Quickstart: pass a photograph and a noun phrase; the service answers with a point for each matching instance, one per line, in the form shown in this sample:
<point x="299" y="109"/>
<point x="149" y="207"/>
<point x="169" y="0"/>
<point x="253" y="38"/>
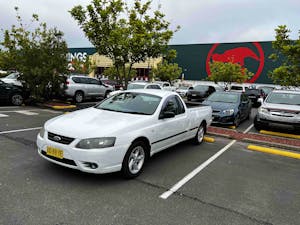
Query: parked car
<point x="182" y="90"/>
<point x="254" y="94"/>
<point x="281" y="109"/>
<point x="122" y="132"/>
<point x="12" y="94"/>
<point x="201" y="91"/>
<point x="81" y="87"/>
<point x="138" y="85"/>
<point x="229" y="108"/>
<point x="116" y="85"/>
<point x="239" y="87"/>
<point x="166" y="85"/>
<point x="13" y="78"/>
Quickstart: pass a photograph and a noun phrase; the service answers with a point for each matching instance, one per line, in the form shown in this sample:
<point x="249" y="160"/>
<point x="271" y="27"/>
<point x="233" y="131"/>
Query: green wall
<point x="193" y="58"/>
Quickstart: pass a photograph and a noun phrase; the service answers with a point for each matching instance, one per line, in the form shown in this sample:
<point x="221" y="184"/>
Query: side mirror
<point x="167" y="114"/>
<point x="191" y="88"/>
<point x="260" y="100"/>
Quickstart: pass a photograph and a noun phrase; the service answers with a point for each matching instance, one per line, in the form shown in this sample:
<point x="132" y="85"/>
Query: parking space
<point x="237" y="187"/>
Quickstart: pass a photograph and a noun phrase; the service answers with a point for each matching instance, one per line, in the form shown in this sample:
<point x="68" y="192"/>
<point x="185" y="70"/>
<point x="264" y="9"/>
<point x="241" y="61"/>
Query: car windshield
<point x="201" y="88"/>
<point x="183" y="87"/>
<point x="129" y="102"/>
<point x="284" y="98"/>
<point x="135" y="86"/>
<point x="12" y="76"/>
<point x="223" y="97"/>
<point x="237" y="88"/>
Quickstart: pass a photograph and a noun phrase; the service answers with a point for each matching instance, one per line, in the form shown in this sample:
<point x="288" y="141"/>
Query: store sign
<point x="242" y="55"/>
<point x="80" y="56"/>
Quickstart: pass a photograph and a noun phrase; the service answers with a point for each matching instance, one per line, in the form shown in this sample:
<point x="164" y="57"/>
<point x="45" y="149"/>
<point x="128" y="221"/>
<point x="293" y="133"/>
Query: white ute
<point x="122" y="132"/>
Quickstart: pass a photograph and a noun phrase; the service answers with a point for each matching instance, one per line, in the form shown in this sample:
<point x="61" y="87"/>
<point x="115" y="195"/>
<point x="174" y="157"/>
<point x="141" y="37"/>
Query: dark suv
<point x="254" y="94"/>
<point x="201" y="92"/>
<point x="13" y="94"/>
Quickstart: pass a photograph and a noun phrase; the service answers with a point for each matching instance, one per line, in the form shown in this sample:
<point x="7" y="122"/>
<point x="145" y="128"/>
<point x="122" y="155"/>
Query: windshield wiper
<point x="141" y="113"/>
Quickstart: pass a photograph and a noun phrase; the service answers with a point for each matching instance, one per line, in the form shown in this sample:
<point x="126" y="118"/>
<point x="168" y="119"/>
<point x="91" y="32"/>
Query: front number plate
<point x="55" y="152"/>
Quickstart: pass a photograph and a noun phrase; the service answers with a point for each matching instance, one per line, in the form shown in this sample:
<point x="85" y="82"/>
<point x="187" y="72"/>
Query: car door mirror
<point x="167" y="114"/>
<point x="260" y="100"/>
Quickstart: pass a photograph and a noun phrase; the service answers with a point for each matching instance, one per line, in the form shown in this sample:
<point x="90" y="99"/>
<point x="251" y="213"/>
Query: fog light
<point x="91" y="165"/>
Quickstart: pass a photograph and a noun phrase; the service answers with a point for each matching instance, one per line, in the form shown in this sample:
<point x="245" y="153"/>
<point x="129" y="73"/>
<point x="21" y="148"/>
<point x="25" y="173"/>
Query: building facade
<point x="194" y="59"/>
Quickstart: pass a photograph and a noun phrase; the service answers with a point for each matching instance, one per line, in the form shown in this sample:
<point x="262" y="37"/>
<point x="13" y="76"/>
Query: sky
<point x="201" y="21"/>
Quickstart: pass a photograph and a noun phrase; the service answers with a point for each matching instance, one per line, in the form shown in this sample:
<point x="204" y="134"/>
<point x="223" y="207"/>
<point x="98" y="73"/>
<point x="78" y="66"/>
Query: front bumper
<point x="107" y="159"/>
<point x="222" y="119"/>
<point x="269" y="122"/>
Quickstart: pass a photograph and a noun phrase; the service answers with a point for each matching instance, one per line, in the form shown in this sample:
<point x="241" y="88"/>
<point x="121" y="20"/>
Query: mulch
<point x="293" y="143"/>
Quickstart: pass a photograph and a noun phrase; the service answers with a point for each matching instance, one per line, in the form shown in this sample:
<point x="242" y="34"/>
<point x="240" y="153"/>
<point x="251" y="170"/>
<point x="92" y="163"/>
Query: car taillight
<point x="67" y="82"/>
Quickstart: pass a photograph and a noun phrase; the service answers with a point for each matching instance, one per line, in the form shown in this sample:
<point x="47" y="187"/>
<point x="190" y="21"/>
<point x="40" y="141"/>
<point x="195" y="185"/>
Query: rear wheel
<point x="17" y="99"/>
<point x="78" y="97"/>
<point x="237" y="120"/>
<point x="134" y="160"/>
<point x="198" y="139"/>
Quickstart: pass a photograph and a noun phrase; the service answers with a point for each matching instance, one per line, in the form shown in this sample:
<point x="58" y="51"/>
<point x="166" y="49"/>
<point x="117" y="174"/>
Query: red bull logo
<point x="238" y="55"/>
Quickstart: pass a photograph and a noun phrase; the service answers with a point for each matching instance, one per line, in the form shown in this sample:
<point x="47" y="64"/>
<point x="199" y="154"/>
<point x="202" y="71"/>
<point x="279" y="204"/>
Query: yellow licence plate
<point x="55" y="152"/>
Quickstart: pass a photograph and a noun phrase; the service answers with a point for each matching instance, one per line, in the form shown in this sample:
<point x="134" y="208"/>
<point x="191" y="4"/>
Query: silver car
<point x="280" y="109"/>
<point x="81" y="87"/>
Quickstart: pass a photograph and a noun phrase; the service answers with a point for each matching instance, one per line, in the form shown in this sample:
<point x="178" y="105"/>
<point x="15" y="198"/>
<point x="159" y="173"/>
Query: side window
<point x="93" y="81"/>
<point x="180" y="105"/>
<point x="76" y="79"/>
<point x="171" y="105"/>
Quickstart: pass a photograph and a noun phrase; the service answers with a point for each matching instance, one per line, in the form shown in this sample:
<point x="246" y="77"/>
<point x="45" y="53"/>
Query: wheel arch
<point x="146" y="141"/>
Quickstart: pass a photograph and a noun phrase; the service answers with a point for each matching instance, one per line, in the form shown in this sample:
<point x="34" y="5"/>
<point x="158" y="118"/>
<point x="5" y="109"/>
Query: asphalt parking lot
<point x="214" y="183"/>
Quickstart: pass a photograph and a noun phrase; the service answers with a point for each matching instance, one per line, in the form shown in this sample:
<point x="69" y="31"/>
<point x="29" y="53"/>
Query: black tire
<point x="237" y="120"/>
<point x="17" y="99"/>
<point x="136" y="156"/>
<point x="106" y="93"/>
<point x="198" y="139"/>
<point x="78" y="97"/>
<point x="257" y="125"/>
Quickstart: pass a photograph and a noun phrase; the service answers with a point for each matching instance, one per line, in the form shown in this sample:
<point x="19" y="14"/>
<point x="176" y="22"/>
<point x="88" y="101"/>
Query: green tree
<point x="228" y="73"/>
<point x="126" y="34"/>
<point x="38" y="53"/>
<point x="82" y="67"/>
<point x="288" y="74"/>
<point x="112" y="72"/>
<point x="166" y="70"/>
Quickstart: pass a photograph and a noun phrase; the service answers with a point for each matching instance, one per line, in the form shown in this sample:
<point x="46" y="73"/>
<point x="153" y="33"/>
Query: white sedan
<point x="121" y="132"/>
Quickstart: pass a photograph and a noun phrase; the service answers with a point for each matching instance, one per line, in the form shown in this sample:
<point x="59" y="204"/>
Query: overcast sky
<point x="201" y="21"/>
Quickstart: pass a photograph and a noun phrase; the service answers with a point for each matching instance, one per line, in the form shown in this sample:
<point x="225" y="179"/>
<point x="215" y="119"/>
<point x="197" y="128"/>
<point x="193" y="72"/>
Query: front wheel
<point x="198" y="139"/>
<point x="134" y="160"/>
<point x="17" y="99"/>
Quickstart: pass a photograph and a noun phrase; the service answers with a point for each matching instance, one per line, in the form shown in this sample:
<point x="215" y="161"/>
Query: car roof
<point x="286" y="91"/>
<point x="157" y="92"/>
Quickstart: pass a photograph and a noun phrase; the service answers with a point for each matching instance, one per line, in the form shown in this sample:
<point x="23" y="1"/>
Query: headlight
<point x="263" y="110"/>
<point x="90" y="143"/>
<point x="228" y="112"/>
<point x="42" y="132"/>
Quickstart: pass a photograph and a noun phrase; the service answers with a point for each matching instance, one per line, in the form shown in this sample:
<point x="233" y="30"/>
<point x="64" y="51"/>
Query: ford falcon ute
<point x="122" y="132"/>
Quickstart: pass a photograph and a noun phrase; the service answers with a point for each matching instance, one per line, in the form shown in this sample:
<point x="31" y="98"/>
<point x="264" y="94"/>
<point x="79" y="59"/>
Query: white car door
<point x="170" y="130"/>
<point x="97" y="88"/>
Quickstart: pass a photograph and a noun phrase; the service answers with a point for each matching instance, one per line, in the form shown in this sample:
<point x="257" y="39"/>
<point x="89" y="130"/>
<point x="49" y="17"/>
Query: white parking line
<point x="3" y="115"/>
<point x="26" y="112"/>
<point x="188" y="177"/>
<point x="249" y="128"/>
<point x="20" y="130"/>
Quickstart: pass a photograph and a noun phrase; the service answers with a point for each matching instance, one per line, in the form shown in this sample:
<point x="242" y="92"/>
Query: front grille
<point x="59" y="138"/>
<point x="66" y="161"/>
